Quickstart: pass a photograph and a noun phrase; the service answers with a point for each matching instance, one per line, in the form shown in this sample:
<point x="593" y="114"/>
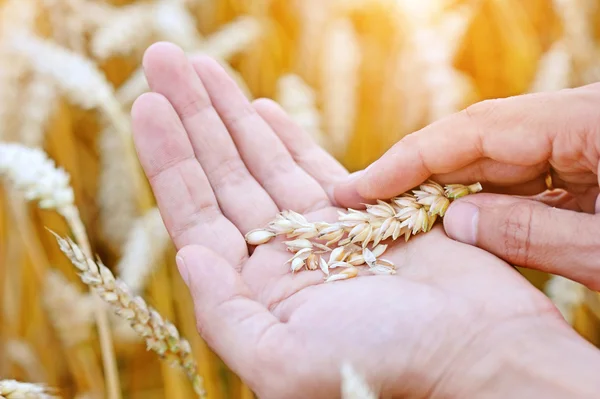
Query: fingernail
<point x="461" y="221"/>
<point x="598" y="204"/>
<point x="183" y="271"/>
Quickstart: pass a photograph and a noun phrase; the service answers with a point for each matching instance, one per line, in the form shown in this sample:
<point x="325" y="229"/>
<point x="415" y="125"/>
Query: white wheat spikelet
<point x="71" y="311"/>
<point x="354" y="385"/>
<point x="232" y="38"/>
<point x="147" y="242"/>
<point x="11" y="389"/>
<point x="339" y="80"/>
<point x="173" y="23"/>
<point x="298" y="99"/>
<point x="41" y="97"/>
<point x="221" y="45"/>
<point x="37" y="176"/>
<point x="128" y="30"/>
<point x="160" y="335"/>
<point x="117" y="195"/>
<point x="76" y="76"/>
<point x="566" y="295"/>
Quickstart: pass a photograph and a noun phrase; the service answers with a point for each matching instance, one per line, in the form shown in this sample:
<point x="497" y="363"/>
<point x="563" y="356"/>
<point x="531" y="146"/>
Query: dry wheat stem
<point x="403" y="216"/>
<point x="160" y="335"/>
<point x="11" y="389"/>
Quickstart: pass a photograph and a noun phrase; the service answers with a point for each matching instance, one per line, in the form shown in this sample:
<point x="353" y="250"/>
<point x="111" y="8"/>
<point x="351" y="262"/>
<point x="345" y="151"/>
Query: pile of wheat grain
<point x="358" y="75"/>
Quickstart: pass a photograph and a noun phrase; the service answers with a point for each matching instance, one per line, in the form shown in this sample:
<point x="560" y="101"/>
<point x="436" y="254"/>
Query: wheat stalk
<point x="117" y="197"/>
<point x="160" y="335"/>
<point x="147" y="242"/>
<point x="403" y="216"/>
<point x="11" y="389"/>
<point x="35" y="174"/>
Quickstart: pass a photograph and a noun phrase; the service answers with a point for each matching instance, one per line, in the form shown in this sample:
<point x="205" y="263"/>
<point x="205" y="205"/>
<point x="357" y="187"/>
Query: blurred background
<point x="357" y="74"/>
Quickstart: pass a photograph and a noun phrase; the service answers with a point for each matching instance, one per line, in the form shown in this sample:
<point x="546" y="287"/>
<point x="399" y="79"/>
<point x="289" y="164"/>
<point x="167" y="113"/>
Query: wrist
<point x="538" y="358"/>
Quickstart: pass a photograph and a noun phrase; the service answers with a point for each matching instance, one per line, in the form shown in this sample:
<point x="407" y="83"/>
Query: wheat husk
<point x="160" y="335"/>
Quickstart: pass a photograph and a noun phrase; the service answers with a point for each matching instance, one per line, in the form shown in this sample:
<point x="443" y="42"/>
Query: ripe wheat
<point x="11" y="389"/>
<point x="403" y="216"/>
<point x="160" y="335"/>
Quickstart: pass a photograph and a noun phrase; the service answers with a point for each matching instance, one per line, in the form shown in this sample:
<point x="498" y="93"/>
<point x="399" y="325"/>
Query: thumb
<point x="530" y="234"/>
<point x="227" y="318"/>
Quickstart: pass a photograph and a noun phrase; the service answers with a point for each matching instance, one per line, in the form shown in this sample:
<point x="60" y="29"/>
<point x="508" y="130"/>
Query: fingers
<point x="518" y="131"/>
<point x="530" y="234"/>
<point x="186" y="201"/>
<point x="238" y="328"/>
<point x="240" y="196"/>
<point x="306" y="152"/>
<point x="265" y="156"/>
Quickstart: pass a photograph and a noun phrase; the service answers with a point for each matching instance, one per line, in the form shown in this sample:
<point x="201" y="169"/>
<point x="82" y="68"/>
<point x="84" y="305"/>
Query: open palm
<point x="221" y="166"/>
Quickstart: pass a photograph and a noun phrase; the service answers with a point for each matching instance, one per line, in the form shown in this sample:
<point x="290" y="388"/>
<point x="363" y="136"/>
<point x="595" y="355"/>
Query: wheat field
<point x="357" y="74"/>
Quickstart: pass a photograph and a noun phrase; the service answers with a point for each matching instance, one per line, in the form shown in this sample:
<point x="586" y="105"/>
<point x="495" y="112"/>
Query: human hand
<point x="510" y="145"/>
<point x="220" y="166"/>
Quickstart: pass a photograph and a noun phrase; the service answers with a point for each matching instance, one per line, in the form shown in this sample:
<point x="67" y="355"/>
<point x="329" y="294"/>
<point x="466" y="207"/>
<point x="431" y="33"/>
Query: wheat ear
<point x="160" y="335"/>
<point x="403" y="216"/>
<point x="32" y="172"/>
<point x="11" y="389"/>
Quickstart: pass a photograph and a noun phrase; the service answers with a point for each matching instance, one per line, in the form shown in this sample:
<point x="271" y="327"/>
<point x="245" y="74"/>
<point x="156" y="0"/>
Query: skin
<point x="453" y="322"/>
<point x="510" y="145"/>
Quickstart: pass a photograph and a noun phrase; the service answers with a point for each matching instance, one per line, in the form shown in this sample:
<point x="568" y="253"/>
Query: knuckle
<point x="516" y="234"/>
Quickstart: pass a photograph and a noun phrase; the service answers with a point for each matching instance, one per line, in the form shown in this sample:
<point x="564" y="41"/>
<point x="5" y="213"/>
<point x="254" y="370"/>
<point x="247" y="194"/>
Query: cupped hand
<point x="510" y="145"/>
<point x="221" y="166"/>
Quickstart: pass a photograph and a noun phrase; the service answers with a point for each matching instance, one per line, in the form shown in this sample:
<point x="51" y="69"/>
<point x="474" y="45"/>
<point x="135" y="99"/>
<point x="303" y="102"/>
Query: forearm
<point x="542" y="361"/>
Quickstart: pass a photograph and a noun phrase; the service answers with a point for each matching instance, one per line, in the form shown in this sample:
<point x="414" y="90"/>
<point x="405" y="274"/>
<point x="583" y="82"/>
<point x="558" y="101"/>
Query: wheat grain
<point x="147" y="242"/>
<point x="406" y="215"/>
<point x="160" y="335"/>
<point x="11" y="389"/>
